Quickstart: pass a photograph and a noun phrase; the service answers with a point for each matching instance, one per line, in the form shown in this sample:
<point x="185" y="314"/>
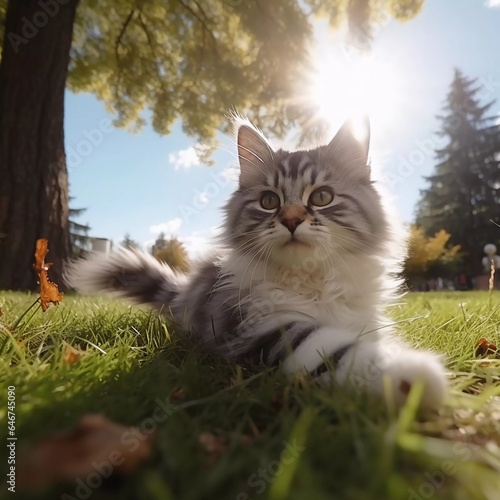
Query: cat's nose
<point x="292" y="223"/>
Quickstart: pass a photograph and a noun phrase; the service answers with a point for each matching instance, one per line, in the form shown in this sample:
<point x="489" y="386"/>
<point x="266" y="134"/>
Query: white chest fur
<point x="348" y="296"/>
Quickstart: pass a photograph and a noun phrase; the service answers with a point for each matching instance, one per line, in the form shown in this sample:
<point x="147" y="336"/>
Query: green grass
<point x="351" y="447"/>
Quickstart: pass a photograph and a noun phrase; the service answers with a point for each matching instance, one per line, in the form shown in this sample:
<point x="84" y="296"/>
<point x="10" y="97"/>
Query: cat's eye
<point x="321" y="197"/>
<point x="269" y="200"/>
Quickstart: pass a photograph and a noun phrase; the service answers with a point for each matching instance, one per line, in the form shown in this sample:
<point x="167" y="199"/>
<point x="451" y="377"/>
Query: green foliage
<point x="173" y="253"/>
<point x="464" y="192"/>
<point x="430" y="256"/>
<point x="166" y="60"/>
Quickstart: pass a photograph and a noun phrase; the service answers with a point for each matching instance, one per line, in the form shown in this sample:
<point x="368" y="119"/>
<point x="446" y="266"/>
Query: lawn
<point x="231" y="434"/>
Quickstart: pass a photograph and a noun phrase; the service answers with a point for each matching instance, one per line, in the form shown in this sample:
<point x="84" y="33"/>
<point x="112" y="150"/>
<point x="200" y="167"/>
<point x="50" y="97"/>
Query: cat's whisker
<point x="264" y="252"/>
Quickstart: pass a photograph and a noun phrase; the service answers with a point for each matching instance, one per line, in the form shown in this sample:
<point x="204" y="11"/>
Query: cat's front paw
<point x="373" y="367"/>
<point x="411" y="366"/>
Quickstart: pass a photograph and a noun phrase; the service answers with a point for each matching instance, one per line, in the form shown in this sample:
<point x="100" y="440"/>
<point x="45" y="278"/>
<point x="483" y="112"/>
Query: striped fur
<point x="296" y="284"/>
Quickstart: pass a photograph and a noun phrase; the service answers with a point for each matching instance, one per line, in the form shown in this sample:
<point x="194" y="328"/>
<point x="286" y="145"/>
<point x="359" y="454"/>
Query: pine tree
<point x="160" y="243"/>
<point x="78" y="233"/>
<point x="464" y="192"/>
<point x="129" y="243"/>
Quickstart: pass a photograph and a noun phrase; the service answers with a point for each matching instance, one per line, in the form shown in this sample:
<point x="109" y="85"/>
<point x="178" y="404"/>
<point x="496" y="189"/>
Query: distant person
<point x="462" y="282"/>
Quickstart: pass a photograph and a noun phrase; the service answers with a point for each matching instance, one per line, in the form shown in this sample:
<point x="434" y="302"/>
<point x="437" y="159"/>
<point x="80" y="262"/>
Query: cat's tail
<point x="132" y="274"/>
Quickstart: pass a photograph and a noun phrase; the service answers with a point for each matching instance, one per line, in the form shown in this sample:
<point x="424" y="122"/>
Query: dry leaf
<point x="71" y="355"/>
<point x="178" y="394"/>
<point x="484" y="347"/>
<point x="49" y="293"/>
<point x="96" y="443"/>
<point x="1" y="312"/>
<point x="215" y="446"/>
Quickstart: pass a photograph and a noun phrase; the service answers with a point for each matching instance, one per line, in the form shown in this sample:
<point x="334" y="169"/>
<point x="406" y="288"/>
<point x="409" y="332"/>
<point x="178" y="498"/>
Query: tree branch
<point x="117" y="47"/>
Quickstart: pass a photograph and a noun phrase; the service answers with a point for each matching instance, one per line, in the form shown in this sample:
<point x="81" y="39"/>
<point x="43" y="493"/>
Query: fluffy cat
<point x="305" y="277"/>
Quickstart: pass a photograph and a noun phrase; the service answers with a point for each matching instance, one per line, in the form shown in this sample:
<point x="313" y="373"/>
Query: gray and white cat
<point x="304" y="277"/>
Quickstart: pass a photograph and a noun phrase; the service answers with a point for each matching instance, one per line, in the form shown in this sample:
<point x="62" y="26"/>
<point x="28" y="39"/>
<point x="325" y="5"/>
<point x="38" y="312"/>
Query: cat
<point x="308" y="267"/>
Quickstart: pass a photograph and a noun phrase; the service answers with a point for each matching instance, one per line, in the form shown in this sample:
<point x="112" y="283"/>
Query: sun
<point x="344" y="87"/>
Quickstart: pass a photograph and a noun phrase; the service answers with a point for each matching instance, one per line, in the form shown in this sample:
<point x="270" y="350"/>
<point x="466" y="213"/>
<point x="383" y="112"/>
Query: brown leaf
<point x="49" y="292"/>
<point x="213" y="445"/>
<point x="484" y="347"/>
<point x="71" y="355"/>
<point x="96" y="445"/>
<point x="41" y="250"/>
<point x="178" y="394"/>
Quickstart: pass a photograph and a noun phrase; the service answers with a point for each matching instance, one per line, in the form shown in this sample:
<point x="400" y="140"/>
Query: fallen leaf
<point x="1" y="312"/>
<point x="213" y="445"/>
<point x="49" y="292"/>
<point x="71" y="454"/>
<point x="71" y="355"/>
<point x="178" y="394"/>
<point x="485" y="347"/>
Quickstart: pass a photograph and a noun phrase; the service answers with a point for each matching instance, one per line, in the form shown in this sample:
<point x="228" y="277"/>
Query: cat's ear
<point x="254" y="153"/>
<point x="351" y="144"/>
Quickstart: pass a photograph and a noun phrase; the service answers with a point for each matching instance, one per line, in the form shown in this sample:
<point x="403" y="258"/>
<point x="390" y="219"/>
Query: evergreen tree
<point x="129" y="243"/>
<point x="159" y="243"/>
<point x="464" y="192"/>
<point x="78" y="233"/>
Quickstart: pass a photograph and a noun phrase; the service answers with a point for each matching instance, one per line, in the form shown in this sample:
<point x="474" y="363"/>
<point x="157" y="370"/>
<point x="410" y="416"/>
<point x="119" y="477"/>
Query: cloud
<point x="197" y="247"/>
<point x="169" y="228"/>
<point x="203" y="198"/>
<point x="187" y="158"/>
<point x="492" y="3"/>
<point x="230" y="174"/>
<point x="201" y="244"/>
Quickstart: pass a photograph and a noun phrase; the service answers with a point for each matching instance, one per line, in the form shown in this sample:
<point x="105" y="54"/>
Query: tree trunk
<point x="33" y="174"/>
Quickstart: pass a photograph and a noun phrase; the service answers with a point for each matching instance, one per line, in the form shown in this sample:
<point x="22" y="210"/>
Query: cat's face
<point x="318" y="203"/>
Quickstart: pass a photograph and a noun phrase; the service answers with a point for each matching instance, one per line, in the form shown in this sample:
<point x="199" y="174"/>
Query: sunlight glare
<point x="342" y="89"/>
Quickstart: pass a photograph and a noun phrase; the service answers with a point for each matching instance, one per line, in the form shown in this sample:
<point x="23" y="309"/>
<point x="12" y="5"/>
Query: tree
<point x="159" y="243"/>
<point x="34" y="179"/>
<point x="173" y="253"/>
<point x="129" y="243"/>
<point x="187" y="60"/>
<point x="430" y="256"/>
<point x="464" y="192"/>
<point x="78" y="233"/>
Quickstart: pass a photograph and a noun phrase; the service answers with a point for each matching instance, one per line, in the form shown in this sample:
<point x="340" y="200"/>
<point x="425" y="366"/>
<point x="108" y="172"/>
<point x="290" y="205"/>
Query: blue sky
<point x="144" y="183"/>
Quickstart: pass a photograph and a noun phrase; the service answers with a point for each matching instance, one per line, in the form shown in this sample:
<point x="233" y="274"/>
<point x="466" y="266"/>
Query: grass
<point x="282" y="439"/>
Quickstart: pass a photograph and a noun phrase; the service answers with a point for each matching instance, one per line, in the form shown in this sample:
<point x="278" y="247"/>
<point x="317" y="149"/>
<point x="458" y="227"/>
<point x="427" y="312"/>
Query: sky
<point x="143" y="184"/>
